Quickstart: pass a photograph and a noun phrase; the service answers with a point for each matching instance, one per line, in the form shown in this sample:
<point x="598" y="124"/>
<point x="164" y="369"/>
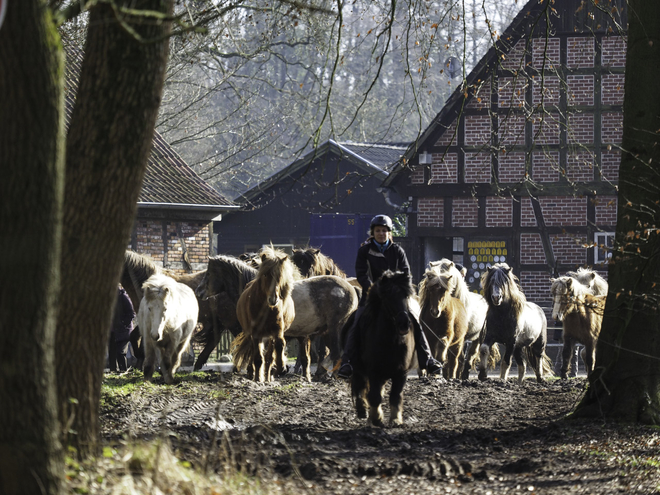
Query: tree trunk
<point x="31" y="192"/>
<point x="626" y="383"/>
<point x="108" y="144"/>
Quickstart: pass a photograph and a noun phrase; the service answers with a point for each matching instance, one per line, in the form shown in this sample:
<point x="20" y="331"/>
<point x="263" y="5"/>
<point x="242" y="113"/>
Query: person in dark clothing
<point x="377" y="255"/>
<point x="122" y="325"/>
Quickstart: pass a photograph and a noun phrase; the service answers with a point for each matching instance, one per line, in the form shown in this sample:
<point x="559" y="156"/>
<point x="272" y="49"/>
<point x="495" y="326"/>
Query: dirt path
<point x="458" y="437"/>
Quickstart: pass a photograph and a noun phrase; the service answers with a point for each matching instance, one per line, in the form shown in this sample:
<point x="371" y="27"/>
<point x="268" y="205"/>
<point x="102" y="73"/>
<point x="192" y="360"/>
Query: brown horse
<point x="311" y="262"/>
<point x="443" y="319"/>
<point x="265" y="309"/>
<point x="582" y="317"/>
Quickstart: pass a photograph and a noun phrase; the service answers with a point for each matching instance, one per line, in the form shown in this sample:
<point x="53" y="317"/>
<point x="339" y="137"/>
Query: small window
<point x="457" y="250"/>
<point x="603" y="249"/>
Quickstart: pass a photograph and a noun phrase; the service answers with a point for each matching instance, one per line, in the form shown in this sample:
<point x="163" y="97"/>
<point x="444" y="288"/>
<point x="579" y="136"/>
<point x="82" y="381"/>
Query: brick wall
<point x="511" y="92"/>
<point x="536" y="287"/>
<point x="150" y="239"/>
<point x="515" y="59"/>
<point x="581" y="52"/>
<point x="609" y="164"/>
<point x="545" y="90"/>
<point x="606" y="210"/>
<point x="477" y="167"/>
<point x="581" y="128"/>
<point x="545" y="50"/>
<point x="569" y="249"/>
<point x="481" y="93"/>
<point x="477" y="130"/>
<point x="430" y="212"/>
<point x="449" y="136"/>
<point x="613" y="87"/>
<point x="465" y="212"/>
<point x="545" y="166"/>
<point x="580" y="166"/>
<point x="613" y="51"/>
<point x="417" y="175"/>
<point x="580" y="90"/>
<point x="499" y="212"/>
<point x="531" y="249"/>
<point x="444" y="169"/>
<point x="558" y="211"/>
<point x="611" y="127"/>
<point x="545" y="128"/>
<point x="512" y="130"/>
<point x="511" y="167"/>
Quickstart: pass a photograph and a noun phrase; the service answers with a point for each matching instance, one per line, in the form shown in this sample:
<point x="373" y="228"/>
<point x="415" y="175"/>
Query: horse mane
<point x="432" y="278"/>
<point x="158" y="285"/>
<point x="234" y="273"/>
<point x="460" y="289"/>
<point x="575" y="289"/>
<point x="320" y="264"/>
<point x="140" y="267"/>
<point x="388" y="284"/>
<point x="278" y="261"/>
<point x="588" y="277"/>
<point x="501" y="274"/>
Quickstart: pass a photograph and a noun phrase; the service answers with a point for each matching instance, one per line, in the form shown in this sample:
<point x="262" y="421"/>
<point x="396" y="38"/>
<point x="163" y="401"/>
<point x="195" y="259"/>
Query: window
<point x="603" y="249"/>
<point x="457" y="250"/>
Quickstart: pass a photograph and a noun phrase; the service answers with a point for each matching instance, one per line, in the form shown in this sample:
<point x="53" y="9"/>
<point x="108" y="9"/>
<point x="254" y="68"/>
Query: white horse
<point x="475" y="305"/>
<point x="167" y="317"/>
<point x="596" y="284"/>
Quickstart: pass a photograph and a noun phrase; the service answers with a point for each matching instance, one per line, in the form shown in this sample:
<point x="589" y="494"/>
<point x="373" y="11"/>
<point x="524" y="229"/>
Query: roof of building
<point x="569" y="15"/>
<point x="168" y="180"/>
<point x="374" y="159"/>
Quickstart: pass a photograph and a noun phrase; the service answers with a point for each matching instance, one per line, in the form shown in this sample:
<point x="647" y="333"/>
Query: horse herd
<point x="272" y="297"/>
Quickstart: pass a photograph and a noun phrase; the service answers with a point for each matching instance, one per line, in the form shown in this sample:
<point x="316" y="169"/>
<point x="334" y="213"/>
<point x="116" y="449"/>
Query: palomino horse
<point x="387" y="347"/>
<point x="167" y="318"/>
<point x="443" y="319"/>
<point x="515" y="322"/>
<point x="476" y="307"/>
<point x="582" y="317"/>
<point x="265" y="310"/>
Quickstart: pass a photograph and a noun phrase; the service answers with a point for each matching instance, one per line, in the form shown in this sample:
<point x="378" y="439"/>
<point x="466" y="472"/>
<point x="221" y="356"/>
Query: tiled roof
<point x="376" y="159"/>
<point x="168" y="178"/>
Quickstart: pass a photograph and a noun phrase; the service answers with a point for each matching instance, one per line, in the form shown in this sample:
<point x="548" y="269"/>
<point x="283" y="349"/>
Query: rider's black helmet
<point x="383" y="220"/>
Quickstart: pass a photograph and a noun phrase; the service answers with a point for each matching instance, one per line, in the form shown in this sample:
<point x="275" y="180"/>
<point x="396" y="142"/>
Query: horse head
<point x="392" y="293"/>
<point x="497" y="282"/>
<point x="303" y="259"/>
<point x="157" y="296"/>
<point x="436" y="289"/>
<point x="276" y="274"/>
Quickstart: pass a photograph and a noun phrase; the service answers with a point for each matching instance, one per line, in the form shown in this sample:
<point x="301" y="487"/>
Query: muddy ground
<point x="458" y="437"/>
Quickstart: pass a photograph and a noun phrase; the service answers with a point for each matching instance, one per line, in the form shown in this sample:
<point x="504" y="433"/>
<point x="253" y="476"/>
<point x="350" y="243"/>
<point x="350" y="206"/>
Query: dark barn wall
<point x="281" y="214"/>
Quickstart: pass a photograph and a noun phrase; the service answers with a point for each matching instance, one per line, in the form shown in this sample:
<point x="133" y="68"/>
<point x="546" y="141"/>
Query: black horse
<point x="386" y="345"/>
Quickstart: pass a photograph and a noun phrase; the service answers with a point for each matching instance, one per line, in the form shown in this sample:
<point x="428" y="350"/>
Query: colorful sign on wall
<point x="483" y="254"/>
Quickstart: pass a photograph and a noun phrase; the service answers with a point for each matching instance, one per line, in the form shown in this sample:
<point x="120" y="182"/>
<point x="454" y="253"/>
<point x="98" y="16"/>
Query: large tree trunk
<point x="31" y="194"/>
<point x="108" y="145"/>
<point x="626" y="383"/>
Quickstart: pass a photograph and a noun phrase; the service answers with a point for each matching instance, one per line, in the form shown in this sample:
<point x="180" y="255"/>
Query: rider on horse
<point x="377" y="255"/>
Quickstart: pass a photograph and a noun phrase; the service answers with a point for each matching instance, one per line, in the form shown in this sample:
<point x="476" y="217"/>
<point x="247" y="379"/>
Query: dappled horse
<point x="582" y="316"/>
<point x="443" y="319"/>
<point x="323" y="305"/>
<point x="476" y="307"/>
<point x="515" y="322"/>
<point x="167" y="318"/>
<point x="224" y="281"/>
<point x="386" y="336"/>
<point x="265" y="310"/>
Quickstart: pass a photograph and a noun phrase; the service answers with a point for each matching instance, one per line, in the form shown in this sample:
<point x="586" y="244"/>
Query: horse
<point x="515" y="322"/>
<point x="323" y="305"/>
<point x="582" y="316"/>
<point x="167" y="317"/>
<point x="443" y="319"/>
<point x="265" y="310"/>
<point x="311" y="261"/>
<point x="224" y="281"/>
<point x="386" y="332"/>
<point x="137" y="269"/>
<point x="476" y="307"/>
<point x="251" y="259"/>
<point x="597" y="285"/>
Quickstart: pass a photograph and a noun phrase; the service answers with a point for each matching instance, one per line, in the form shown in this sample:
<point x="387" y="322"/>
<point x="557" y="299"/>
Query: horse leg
<point x="167" y="357"/>
<point x="375" y="399"/>
<point x="520" y="361"/>
<point x="359" y="386"/>
<point x="453" y="358"/>
<point x="138" y="347"/>
<point x="566" y="355"/>
<point x="472" y="351"/>
<point x="305" y="355"/>
<point x="149" y="358"/>
<point x="589" y="356"/>
<point x="484" y="352"/>
<point x="396" y="400"/>
<point x="505" y="365"/>
<point x="280" y="357"/>
<point x="258" y="359"/>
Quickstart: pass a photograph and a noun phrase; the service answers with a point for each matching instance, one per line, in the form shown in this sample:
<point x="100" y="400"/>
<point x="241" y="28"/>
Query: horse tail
<point x="545" y="363"/>
<point x="241" y="350"/>
<point x="494" y="357"/>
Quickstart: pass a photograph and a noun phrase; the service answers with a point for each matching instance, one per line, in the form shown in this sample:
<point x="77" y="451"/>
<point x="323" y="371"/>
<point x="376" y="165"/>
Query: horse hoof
<point x="483" y="376"/>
